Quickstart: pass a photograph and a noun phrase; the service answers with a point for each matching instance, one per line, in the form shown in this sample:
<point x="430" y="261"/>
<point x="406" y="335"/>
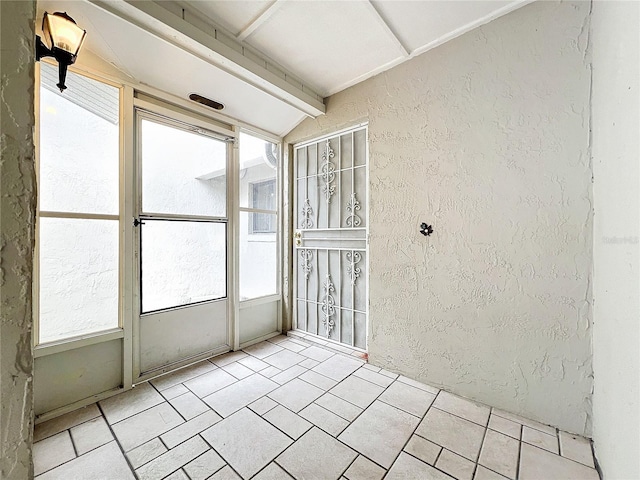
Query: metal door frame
<point x="294" y="323"/>
<point x="174" y="118"/>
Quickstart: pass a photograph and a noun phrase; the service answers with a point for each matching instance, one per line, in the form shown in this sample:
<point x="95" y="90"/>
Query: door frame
<point x="294" y="218"/>
<point x="175" y="118"/>
<point x="132" y="95"/>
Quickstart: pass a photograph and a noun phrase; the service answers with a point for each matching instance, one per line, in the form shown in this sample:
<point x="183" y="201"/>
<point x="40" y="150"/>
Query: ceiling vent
<point x="206" y="101"/>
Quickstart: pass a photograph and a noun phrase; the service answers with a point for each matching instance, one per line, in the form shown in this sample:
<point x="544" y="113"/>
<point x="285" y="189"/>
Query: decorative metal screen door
<point x="330" y="240"/>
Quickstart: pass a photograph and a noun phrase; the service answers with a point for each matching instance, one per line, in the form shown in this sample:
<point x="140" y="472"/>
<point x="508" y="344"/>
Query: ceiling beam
<point x="404" y="51"/>
<point x="259" y="20"/>
<point x="177" y="31"/>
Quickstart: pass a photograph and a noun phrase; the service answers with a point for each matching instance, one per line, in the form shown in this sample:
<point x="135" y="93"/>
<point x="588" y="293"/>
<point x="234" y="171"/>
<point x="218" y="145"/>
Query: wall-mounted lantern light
<point x="65" y="39"/>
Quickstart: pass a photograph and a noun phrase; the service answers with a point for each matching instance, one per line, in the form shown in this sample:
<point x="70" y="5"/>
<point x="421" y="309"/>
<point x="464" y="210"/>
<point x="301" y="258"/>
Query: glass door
<point x="183" y="236"/>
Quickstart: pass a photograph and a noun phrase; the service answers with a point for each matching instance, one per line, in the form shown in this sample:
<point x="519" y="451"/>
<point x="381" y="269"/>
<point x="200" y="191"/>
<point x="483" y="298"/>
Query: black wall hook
<point x="425" y="229"/>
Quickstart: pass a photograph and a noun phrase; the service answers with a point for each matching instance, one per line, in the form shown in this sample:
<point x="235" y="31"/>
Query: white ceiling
<point x="335" y="44"/>
<point x="327" y="45"/>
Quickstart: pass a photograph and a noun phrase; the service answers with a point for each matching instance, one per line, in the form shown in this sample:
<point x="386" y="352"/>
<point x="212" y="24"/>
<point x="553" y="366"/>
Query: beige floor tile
<point x="270" y="371"/>
<point x="380" y="432"/>
<point x="324" y="419"/>
<point x="210" y="382"/>
<point x="316" y="353"/>
<point x="373" y="377"/>
<point x="420" y="385"/>
<point x="483" y="473"/>
<point x="536" y="464"/>
<point x="124" y="405"/>
<point x="253" y="363"/>
<point x="225" y="473"/>
<point x="190" y="428"/>
<point x="189" y="405"/>
<point x="408" y="398"/>
<point x="309" y="363"/>
<point x="139" y="429"/>
<point x="177" y="475"/>
<point x="340" y="407"/>
<point x="540" y="439"/>
<point x="273" y="471"/>
<point x="93" y="465"/>
<point x="293" y="346"/>
<point x="146" y="452"/>
<point x="52" y="451"/>
<point x="524" y="421"/>
<point x="234" y="397"/>
<point x="284" y="359"/>
<point x="64" y="422"/>
<point x="248" y="453"/>
<point x="500" y="453"/>
<point x="288" y="374"/>
<point x="474" y="412"/>
<point x="182" y="375"/>
<point x="262" y="405"/>
<point x="454" y="433"/>
<point x="357" y="391"/>
<point x="389" y="374"/>
<point x="279" y="338"/>
<point x="237" y="370"/>
<point x="300" y="341"/>
<point x="423" y="449"/>
<point x="175" y="391"/>
<point x="576" y="448"/>
<point x="172" y="460"/>
<point x="296" y="394"/>
<point x="505" y="426"/>
<point x="90" y="435"/>
<point x="455" y="465"/>
<point x="364" y="469"/>
<point x="227" y="358"/>
<point x="262" y="349"/>
<point x="338" y="367"/>
<point x="320" y="381"/>
<point x="204" y="466"/>
<point x="316" y="456"/>
<point x="287" y="421"/>
<point x="407" y="467"/>
<point x="373" y="368"/>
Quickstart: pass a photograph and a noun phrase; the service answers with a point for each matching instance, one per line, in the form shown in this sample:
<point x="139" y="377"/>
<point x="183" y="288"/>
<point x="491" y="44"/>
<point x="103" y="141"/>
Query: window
<point x="263" y="197"/>
<point x="258" y="217"/>
<point x="79" y="203"/>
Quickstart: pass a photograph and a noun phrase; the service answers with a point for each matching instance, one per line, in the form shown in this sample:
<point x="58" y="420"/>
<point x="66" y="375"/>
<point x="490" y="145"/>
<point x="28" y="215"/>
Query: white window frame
<point x="133" y="94"/>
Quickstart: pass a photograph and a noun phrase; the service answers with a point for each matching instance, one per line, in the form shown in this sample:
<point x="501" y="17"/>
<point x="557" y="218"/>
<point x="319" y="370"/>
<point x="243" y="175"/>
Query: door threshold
<point x="330" y="344"/>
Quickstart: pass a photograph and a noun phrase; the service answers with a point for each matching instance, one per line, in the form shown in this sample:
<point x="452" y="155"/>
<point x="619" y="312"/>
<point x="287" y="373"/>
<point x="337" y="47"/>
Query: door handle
<point x="297" y="236"/>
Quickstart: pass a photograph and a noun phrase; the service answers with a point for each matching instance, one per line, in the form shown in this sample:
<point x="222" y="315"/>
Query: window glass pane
<point x="78" y="277"/>
<point x="258" y="257"/>
<point x="79" y="150"/>
<point x="183" y="173"/>
<point x="182" y="263"/>
<point x="258" y="166"/>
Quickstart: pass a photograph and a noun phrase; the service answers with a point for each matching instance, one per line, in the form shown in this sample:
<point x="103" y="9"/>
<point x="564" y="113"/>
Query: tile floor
<point x="289" y="408"/>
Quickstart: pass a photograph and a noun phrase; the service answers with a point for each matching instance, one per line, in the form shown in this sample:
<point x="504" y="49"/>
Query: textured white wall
<point x="616" y="151"/>
<point x="486" y="138"/>
<point x="17" y="220"/>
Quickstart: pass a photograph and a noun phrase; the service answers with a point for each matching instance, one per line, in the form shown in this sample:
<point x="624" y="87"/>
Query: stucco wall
<point x="17" y="193"/>
<point x="487" y="138"/>
<point x="616" y="152"/>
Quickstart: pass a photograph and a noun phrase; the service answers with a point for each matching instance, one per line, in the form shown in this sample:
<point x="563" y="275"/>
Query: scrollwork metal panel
<point x="331" y="215"/>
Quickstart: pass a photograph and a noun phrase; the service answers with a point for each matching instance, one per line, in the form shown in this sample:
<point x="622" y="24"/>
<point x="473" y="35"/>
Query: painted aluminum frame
<point x="296" y="210"/>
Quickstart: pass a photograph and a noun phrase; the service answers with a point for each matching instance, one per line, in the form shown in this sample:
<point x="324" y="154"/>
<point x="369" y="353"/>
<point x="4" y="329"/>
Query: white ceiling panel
<point x="152" y="61"/>
<point x="234" y="15"/>
<point x="328" y="44"/>
<point x="419" y="24"/>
